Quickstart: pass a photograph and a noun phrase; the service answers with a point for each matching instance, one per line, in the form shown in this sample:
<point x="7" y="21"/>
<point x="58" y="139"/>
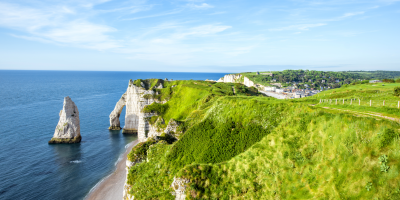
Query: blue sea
<point x="30" y="102"/>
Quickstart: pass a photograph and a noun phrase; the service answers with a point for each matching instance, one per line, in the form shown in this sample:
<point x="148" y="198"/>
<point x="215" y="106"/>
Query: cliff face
<point x="68" y="128"/>
<point x="135" y="99"/>
<point x="233" y="78"/>
<point x="135" y="102"/>
<point x="247" y="82"/>
<point x="230" y="78"/>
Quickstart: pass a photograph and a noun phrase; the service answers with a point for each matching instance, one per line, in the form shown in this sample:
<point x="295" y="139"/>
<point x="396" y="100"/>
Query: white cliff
<point x="237" y="78"/>
<point x="135" y="102"/>
<point x="68" y="128"/>
<point x="230" y="78"/>
<point x="247" y="82"/>
<point x="114" y="116"/>
<point x="135" y="99"/>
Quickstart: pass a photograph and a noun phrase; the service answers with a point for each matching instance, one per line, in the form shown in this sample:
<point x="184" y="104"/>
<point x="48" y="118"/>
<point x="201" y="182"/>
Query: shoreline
<point x="112" y="186"/>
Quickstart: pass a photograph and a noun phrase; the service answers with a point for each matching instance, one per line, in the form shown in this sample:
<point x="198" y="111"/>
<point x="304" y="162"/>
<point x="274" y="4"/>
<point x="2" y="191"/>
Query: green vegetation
<point x="396" y="91"/>
<point x="237" y="144"/>
<point x="377" y="75"/>
<point x="314" y="79"/>
<point x="371" y="97"/>
<point x="317" y="79"/>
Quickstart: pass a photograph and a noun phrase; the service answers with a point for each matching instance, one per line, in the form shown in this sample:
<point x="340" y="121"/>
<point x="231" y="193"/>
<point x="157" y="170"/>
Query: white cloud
<point x="200" y="6"/>
<point x="202" y="31"/>
<point x="50" y="25"/>
<point x="302" y="27"/>
<point x="346" y="15"/>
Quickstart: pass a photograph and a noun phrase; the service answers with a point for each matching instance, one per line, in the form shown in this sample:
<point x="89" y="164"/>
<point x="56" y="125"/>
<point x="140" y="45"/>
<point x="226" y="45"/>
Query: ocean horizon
<point x="30" y="102"/>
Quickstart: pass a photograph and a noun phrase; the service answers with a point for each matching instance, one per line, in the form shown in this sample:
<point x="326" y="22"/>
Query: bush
<point x="397" y="91"/>
<point x="139" y="152"/>
<point x="388" y="80"/>
<point x="387" y="137"/>
<point x="160" y="109"/>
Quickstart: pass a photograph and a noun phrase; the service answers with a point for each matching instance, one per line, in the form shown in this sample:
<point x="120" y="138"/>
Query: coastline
<point x="112" y="186"/>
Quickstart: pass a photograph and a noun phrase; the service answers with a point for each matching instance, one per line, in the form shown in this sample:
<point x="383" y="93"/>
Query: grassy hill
<point x="246" y="146"/>
<point x="363" y="97"/>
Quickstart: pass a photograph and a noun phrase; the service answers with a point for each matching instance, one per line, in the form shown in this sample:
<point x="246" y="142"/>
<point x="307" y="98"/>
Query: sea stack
<point x="68" y="129"/>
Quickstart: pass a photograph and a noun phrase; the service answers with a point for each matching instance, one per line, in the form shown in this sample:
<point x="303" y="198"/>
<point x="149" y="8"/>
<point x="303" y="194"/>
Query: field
<point x="247" y="146"/>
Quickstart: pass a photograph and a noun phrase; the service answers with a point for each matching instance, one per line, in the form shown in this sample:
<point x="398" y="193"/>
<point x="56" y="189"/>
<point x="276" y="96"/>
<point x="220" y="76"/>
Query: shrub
<point x="148" y="96"/>
<point x="397" y="91"/>
<point x="387" y="137"/>
<point x="388" y="80"/>
<point x="139" y="152"/>
<point x="156" y="107"/>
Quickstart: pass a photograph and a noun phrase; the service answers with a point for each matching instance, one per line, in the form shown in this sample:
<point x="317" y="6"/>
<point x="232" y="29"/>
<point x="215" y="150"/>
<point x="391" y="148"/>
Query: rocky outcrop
<point x="230" y="78"/>
<point x="68" y="128"/>
<point x="154" y="130"/>
<point x="114" y="116"/>
<point x="172" y="127"/>
<point x="179" y="186"/>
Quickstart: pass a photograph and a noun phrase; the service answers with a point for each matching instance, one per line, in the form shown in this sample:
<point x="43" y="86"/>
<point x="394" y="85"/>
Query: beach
<point x="111" y="188"/>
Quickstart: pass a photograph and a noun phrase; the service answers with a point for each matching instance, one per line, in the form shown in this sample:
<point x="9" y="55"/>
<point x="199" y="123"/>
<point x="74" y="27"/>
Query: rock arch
<point x="114" y="116"/>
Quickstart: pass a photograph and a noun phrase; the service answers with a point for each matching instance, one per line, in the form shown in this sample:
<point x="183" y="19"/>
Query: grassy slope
<point x="259" y="148"/>
<point x="365" y="92"/>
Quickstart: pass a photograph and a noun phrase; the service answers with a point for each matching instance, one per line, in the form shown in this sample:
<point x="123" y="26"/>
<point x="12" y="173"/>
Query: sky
<point x="199" y="35"/>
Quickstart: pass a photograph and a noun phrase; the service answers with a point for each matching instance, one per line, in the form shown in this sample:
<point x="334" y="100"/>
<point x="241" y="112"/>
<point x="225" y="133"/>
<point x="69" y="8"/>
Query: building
<point x="337" y="81"/>
<point x="279" y="90"/>
<point x="375" y="81"/>
<point x="323" y="81"/>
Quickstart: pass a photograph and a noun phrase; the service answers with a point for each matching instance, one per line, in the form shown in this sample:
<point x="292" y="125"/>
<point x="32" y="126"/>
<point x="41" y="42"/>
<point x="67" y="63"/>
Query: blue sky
<point x="200" y="35"/>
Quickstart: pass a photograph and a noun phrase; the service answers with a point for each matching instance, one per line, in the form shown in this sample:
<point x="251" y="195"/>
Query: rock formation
<point x="135" y="102"/>
<point x="179" y="185"/>
<point x="154" y="129"/>
<point x="135" y="99"/>
<point x="171" y="127"/>
<point x="68" y="127"/>
<point x="114" y="116"/>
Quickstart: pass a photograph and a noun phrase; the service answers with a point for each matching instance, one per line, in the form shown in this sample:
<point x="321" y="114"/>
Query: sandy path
<point x="112" y="187"/>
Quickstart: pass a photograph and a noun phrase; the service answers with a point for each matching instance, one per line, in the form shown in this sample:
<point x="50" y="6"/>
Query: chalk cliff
<point x="237" y="78"/>
<point x="230" y="78"/>
<point x="68" y="127"/>
<point x="135" y="99"/>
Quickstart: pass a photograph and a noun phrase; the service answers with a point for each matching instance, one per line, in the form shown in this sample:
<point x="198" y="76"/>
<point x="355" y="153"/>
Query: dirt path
<point x="365" y="114"/>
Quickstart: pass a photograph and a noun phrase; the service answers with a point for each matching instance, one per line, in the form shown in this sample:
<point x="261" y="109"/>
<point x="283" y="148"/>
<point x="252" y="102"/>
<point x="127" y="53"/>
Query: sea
<point x="30" y="102"/>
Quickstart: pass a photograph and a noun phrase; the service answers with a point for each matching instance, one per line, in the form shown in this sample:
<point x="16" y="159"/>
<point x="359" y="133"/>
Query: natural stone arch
<point x="114" y="116"/>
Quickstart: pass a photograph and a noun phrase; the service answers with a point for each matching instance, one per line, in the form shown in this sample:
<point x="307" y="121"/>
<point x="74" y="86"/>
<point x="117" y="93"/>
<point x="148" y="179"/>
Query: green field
<point x="247" y="146"/>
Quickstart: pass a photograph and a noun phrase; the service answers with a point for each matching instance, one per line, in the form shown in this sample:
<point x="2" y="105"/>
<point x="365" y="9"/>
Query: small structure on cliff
<point x="68" y="129"/>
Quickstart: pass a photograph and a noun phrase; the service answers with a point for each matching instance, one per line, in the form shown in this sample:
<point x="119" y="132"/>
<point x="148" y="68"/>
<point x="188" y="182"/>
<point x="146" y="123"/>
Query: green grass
<point x="362" y="98"/>
<point x="237" y="146"/>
